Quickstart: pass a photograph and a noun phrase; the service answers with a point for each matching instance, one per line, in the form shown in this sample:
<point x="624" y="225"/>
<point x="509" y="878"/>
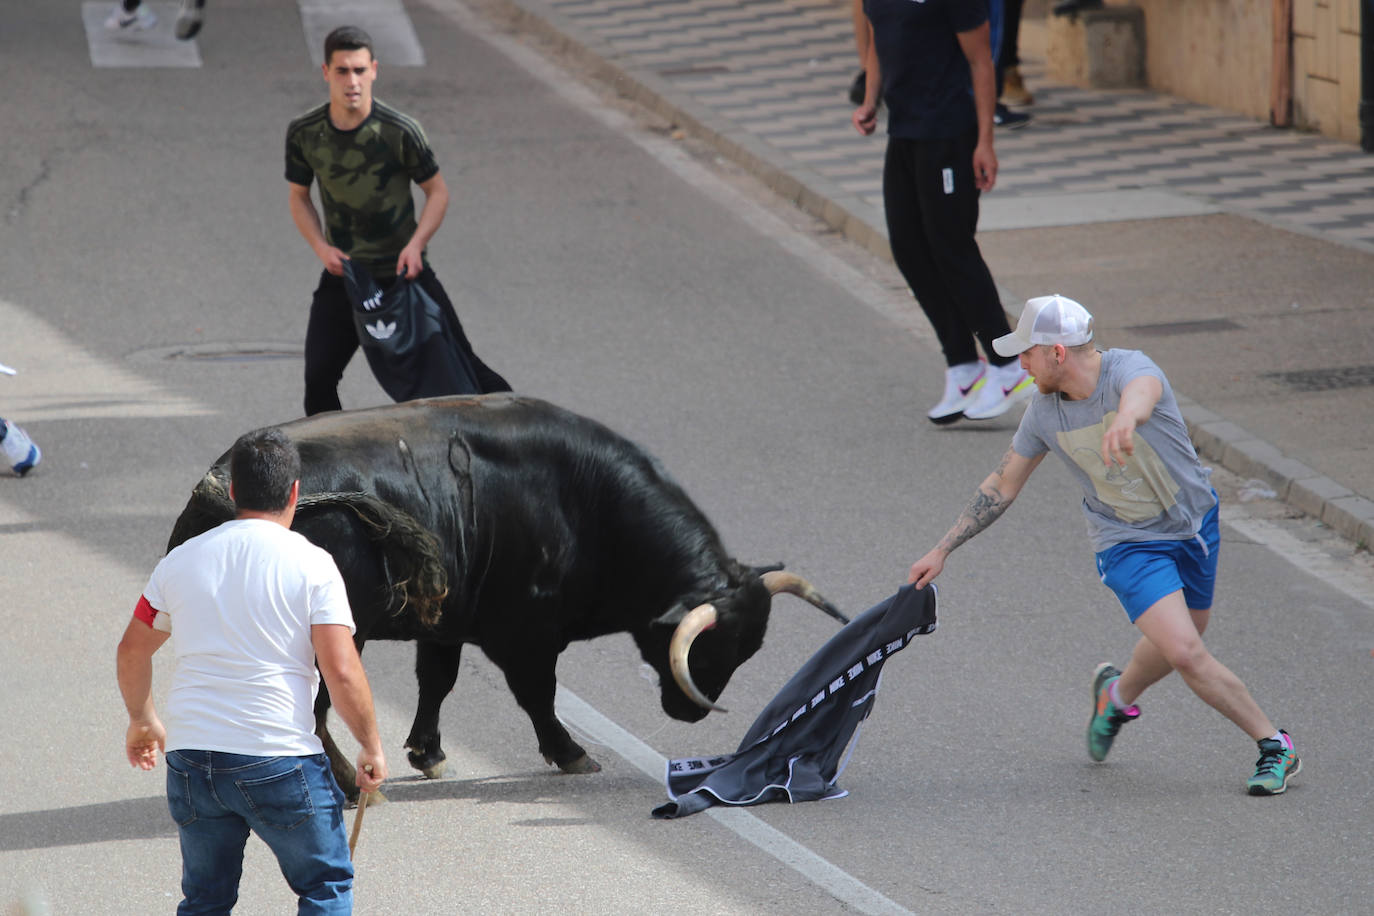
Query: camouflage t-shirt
<point x="364" y="175"/>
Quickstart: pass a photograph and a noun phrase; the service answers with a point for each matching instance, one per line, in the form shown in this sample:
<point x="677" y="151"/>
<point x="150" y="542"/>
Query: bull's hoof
<point x="579" y="765"/>
<point x="431" y="765"/>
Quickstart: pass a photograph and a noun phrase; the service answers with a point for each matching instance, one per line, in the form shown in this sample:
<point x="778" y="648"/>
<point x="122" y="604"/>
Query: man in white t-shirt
<point x="251" y="608"/>
<point x="1151" y="512"/>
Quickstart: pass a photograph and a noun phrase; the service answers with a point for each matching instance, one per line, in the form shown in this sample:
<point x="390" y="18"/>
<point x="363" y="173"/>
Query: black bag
<point x="410" y="346"/>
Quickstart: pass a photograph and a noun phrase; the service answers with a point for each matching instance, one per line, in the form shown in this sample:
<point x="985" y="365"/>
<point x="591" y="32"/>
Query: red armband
<point x="145" y="611"/>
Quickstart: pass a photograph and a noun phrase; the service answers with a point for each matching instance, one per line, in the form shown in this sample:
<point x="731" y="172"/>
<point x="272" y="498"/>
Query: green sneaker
<point x="1276" y="765"/>
<point x="1107" y="718"/>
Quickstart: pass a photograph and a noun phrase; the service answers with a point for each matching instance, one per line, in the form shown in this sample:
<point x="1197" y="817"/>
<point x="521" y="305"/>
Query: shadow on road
<point x="129" y="819"/>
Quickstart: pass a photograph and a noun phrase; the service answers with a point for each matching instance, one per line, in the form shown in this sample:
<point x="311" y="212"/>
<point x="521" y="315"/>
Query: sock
<point x="1116" y="698"/>
<point x="1281" y="738"/>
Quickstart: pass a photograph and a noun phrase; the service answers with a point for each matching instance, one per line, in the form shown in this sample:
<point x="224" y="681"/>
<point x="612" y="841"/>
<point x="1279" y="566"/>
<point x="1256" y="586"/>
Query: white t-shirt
<point x="239" y="602"/>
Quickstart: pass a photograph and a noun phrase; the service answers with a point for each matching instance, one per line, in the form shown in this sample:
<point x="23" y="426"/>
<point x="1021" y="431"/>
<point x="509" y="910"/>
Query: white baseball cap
<point x="1051" y="319"/>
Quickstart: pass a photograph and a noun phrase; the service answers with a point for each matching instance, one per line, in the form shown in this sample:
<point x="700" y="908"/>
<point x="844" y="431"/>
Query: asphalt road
<point x="146" y="253"/>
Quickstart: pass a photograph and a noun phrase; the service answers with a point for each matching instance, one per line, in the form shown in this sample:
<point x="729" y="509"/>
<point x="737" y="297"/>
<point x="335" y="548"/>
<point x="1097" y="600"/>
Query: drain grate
<point x="1325" y="379"/>
<point x="1186" y="327"/>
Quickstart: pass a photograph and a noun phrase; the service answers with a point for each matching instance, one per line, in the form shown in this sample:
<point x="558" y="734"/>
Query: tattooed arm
<point x="994" y="496"/>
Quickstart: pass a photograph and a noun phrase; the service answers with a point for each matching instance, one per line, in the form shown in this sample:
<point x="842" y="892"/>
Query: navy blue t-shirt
<point x="926" y="83"/>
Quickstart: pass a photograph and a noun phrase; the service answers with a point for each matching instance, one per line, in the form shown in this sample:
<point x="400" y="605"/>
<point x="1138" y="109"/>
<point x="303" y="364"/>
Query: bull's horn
<point x="702" y="617"/>
<point x="780" y="581"/>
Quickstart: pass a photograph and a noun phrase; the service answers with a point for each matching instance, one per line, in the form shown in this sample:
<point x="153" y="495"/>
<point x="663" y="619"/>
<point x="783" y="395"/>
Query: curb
<point x="1216" y="438"/>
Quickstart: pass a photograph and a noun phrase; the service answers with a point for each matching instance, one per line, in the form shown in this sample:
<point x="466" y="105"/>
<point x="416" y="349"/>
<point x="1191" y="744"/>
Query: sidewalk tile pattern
<point x="780" y="69"/>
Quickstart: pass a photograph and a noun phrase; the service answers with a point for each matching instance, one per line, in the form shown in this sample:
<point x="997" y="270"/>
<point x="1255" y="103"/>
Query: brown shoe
<point x="1014" y="91"/>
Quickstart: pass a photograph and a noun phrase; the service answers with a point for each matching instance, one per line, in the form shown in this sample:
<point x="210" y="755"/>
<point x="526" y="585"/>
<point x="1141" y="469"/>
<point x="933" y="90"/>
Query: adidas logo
<point x="381" y="330"/>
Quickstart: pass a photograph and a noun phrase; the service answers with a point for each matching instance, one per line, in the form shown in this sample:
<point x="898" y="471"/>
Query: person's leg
<point x="294" y="806"/>
<point x="1169" y="626"/>
<point x="915" y="182"/>
<point x="1009" y="56"/>
<point x="949" y="213"/>
<point x="190" y="19"/>
<point x="330" y="342"/>
<point x="1148" y="666"/>
<point x="130" y="16"/>
<point x="949" y="223"/>
<point x="1140" y="574"/>
<point x="212" y="837"/>
<point x="1013" y="87"/>
<point x="488" y="379"/>
<point x="863" y="40"/>
<point x="906" y="187"/>
<point x="1190" y="565"/>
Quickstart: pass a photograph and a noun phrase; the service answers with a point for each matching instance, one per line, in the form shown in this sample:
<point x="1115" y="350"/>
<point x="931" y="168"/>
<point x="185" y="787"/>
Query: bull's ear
<point x="671" y="617"/>
<point x="756" y="571"/>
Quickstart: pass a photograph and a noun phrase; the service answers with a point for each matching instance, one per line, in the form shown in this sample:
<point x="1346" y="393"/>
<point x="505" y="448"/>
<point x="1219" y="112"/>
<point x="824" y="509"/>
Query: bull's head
<point x="709" y="641"/>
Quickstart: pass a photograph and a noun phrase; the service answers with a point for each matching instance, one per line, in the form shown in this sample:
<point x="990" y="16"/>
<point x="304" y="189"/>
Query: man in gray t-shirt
<point x="1151" y="514"/>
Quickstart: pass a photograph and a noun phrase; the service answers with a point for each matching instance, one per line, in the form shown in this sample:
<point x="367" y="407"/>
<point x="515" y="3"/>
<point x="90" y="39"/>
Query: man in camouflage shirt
<point x="364" y="154"/>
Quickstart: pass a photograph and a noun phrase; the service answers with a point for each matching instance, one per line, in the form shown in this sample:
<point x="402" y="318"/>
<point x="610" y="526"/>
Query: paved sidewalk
<point x="1240" y="257"/>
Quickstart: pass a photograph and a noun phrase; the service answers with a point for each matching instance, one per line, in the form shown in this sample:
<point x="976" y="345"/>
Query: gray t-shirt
<point x="1161" y="494"/>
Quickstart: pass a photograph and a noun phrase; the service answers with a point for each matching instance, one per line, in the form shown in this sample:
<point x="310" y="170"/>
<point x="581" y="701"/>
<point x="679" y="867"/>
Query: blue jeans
<point x="292" y="803"/>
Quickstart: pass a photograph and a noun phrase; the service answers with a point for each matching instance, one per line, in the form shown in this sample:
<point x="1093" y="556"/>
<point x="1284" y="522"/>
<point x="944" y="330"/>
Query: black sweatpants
<point x="331" y="340"/>
<point x="932" y="215"/>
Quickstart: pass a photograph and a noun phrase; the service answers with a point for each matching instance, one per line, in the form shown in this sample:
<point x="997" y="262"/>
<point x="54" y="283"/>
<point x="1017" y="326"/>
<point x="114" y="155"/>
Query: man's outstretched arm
<point x="993" y="497"/>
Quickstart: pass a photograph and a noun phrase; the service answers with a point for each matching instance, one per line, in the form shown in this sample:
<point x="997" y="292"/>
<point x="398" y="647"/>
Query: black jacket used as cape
<point x="793" y="750"/>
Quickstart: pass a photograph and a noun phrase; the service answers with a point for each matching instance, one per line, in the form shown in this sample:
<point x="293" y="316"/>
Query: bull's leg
<point x="531" y="679"/>
<point x="436" y="670"/>
<point x="344" y="773"/>
<point x="342" y="767"/>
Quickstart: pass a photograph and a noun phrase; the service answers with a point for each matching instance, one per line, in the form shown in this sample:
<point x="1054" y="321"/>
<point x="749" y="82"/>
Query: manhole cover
<point x="1325" y="379"/>
<point x="221" y="353"/>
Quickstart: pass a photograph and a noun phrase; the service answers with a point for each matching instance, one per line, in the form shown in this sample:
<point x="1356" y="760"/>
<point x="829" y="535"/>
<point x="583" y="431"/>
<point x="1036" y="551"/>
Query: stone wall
<point x="1221" y="53"/>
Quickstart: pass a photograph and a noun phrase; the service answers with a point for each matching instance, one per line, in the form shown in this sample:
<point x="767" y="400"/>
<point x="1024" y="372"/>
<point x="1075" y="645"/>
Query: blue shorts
<point x="1142" y="572"/>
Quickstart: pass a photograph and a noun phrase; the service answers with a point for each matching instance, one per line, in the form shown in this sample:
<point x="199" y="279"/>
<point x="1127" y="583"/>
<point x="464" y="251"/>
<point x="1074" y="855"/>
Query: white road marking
<point x="156" y="47"/>
<point x="394" y="42"/>
<point x="1349" y="579"/>
<point x="821" y="872"/>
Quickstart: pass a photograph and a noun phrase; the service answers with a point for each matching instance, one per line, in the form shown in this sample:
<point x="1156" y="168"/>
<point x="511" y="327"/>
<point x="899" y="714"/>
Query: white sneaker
<point x="140" y="20"/>
<point x="18" y="449"/>
<point x="190" y="19"/>
<point x="963" y="383"/>
<point x="1006" y="387"/>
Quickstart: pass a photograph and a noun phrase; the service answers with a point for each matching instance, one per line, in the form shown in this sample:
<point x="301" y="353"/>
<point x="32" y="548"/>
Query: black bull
<point x="517" y="526"/>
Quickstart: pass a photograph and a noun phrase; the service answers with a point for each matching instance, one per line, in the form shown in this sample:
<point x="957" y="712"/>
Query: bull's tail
<point x="411" y="558"/>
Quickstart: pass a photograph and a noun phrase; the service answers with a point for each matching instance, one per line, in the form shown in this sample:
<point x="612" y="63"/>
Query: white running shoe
<point x="963" y="383"/>
<point x="1006" y="387"/>
<point x="18" y="449"/>
<point x="190" y="19"/>
<point x="140" y="20"/>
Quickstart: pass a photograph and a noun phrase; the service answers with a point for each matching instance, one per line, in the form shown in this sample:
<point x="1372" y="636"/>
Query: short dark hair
<point x="347" y="38"/>
<point x="262" y="466"/>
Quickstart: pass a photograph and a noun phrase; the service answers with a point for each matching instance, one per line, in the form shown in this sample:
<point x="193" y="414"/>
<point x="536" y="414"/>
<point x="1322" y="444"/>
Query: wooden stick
<point x="358" y="822"/>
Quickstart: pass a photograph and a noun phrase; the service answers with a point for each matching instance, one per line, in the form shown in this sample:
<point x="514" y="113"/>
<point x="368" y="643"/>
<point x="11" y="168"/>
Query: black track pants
<point x="331" y="340"/>
<point x="932" y="214"/>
